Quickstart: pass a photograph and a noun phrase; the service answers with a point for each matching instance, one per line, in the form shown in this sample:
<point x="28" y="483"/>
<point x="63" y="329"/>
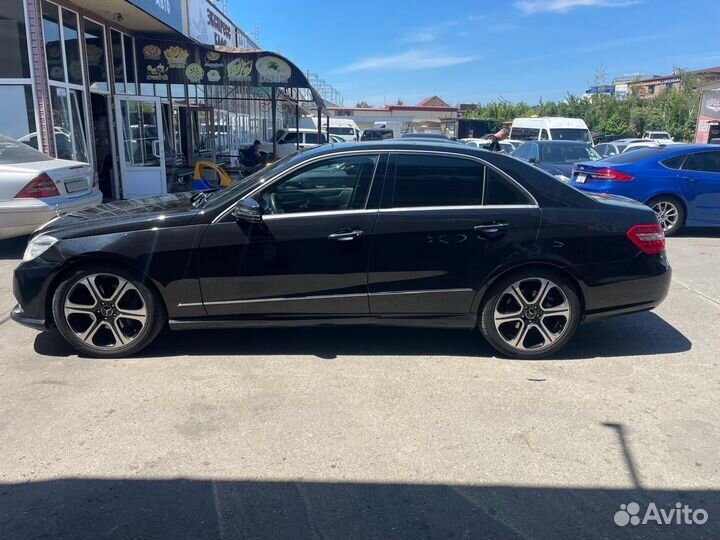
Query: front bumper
<point x="18" y="315"/>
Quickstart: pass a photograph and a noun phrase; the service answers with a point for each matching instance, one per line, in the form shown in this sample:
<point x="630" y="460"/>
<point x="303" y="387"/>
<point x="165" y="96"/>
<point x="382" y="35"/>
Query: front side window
<point x="437" y="181"/>
<point x="522" y="151"/>
<point x="703" y="162"/>
<point x="13" y="41"/>
<point x="331" y="185"/>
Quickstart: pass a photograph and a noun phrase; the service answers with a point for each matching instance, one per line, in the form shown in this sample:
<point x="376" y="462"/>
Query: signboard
<point x="167" y="11"/>
<point x="709" y="115"/>
<point x="176" y="63"/>
<point x="208" y="25"/>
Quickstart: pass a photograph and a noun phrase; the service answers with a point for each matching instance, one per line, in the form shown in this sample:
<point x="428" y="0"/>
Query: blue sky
<point x="479" y="51"/>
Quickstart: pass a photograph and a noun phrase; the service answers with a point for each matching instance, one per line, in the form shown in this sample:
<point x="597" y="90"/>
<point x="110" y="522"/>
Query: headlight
<point x="562" y="178"/>
<point x="37" y="246"/>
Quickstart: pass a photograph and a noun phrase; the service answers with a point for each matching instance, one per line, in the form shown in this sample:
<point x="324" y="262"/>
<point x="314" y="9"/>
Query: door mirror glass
<point x="247" y="211"/>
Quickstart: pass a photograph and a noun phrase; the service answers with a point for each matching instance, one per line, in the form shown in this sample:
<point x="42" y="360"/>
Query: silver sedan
<point x="35" y="187"/>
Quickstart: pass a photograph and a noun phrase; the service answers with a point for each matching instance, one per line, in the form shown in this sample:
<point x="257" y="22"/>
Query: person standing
<point x="494" y="144"/>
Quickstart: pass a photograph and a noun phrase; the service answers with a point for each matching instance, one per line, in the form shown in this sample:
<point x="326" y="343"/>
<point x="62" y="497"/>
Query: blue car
<point x="681" y="182"/>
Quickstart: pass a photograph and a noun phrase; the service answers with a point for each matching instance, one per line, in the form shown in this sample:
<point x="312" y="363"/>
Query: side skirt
<point x="466" y="321"/>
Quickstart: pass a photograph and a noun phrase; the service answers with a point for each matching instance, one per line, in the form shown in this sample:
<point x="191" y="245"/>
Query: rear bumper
<point x="22" y="216"/>
<point x="628" y="295"/>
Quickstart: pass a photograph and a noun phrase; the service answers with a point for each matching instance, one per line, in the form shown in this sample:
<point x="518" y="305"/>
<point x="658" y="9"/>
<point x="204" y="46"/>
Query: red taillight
<point x="611" y="175"/>
<point x="95" y="180"/>
<point x="649" y="239"/>
<point x="39" y="187"/>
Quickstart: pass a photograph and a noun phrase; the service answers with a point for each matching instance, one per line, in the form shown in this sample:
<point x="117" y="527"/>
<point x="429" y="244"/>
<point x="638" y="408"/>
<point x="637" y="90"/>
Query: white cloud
<point x="414" y="59"/>
<point x="426" y="34"/>
<point x="563" y="6"/>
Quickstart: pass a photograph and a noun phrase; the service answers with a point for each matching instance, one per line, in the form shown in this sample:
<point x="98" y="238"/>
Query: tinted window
<point x="13" y="42"/>
<point x="568" y="153"/>
<point x="524" y="134"/>
<point x="437" y="181"/>
<point x="533" y="152"/>
<point x="567" y="134"/>
<point x="342" y="130"/>
<point x="674" y="163"/>
<point x="602" y="149"/>
<point x="500" y="191"/>
<point x="12" y="151"/>
<point x="334" y="184"/>
<point x="544" y="135"/>
<point x="312" y="138"/>
<point x="291" y="137"/>
<point x="705" y="162"/>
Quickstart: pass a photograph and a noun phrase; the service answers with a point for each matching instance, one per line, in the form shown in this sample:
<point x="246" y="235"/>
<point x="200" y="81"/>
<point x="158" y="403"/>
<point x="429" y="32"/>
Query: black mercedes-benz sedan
<point x="392" y="233"/>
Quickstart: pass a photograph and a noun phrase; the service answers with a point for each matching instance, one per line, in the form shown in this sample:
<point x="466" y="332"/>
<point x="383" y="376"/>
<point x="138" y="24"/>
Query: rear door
<point x="700" y="176"/>
<point x="446" y="222"/>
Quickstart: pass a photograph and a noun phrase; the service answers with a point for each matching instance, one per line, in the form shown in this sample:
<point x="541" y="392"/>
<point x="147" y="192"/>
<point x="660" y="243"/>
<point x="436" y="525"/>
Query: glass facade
<point x="13" y="41"/>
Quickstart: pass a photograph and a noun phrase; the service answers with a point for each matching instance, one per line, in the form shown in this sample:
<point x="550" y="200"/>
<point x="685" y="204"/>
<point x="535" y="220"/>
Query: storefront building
<point x="75" y="83"/>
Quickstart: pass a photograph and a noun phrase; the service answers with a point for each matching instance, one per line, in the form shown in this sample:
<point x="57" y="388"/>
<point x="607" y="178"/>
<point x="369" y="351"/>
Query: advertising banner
<point x="208" y="25"/>
<point x="709" y="116"/>
<point x="176" y="63"/>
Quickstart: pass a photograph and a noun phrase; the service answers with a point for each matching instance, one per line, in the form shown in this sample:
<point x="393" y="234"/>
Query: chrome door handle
<point x="346" y="236"/>
<point x="492" y="228"/>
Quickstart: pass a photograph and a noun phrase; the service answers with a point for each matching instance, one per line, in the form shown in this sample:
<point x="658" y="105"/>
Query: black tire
<point x="134" y="298"/>
<point x="671" y="203"/>
<point x="544" y="323"/>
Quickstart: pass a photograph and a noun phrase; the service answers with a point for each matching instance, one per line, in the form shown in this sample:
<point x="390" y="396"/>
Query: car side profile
<point x="681" y="182"/>
<point x="392" y="233"/>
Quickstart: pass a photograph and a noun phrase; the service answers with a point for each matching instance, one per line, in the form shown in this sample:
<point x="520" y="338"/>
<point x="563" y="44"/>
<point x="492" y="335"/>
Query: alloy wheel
<point x="105" y="311"/>
<point x="667" y="214"/>
<point x="532" y="314"/>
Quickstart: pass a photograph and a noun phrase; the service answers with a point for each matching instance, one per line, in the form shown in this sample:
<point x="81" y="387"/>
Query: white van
<point x="344" y="128"/>
<point x="550" y="129"/>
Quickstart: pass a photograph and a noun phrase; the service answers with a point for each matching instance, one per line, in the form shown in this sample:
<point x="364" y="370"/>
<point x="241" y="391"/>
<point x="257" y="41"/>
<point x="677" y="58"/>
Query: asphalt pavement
<point x="369" y="433"/>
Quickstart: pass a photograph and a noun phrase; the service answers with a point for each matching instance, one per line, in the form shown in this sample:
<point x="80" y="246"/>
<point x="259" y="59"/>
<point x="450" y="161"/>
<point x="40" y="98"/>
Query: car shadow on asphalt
<point x="699" y="232"/>
<point x="12" y="248"/>
<point x="208" y="508"/>
<point x="632" y="335"/>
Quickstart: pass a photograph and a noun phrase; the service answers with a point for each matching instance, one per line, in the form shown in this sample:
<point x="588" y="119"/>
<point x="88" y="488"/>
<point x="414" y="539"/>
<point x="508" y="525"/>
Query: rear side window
<point x="500" y="191"/>
<point x="437" y="181"/>
<point x="704" y="162"/>
<point x="674" y="163"/>
<point x="12" y="151"/>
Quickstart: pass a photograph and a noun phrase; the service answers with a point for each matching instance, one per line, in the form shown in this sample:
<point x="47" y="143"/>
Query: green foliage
<point x="674" y="110"/>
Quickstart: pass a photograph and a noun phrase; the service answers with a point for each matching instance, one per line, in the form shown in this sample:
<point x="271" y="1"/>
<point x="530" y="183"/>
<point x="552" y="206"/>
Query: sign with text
<point x="208" y="25"/>
<point x="167" y="11"/>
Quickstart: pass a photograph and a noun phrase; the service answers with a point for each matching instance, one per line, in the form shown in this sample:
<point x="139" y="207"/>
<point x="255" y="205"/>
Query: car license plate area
<point x="75" y="186"/>
<point x="581" y="178"/>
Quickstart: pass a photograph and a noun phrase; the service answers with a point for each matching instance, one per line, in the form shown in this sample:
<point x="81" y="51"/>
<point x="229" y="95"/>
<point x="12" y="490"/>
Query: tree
<point x="363" y="105"/>
<point x="400" y="101"/>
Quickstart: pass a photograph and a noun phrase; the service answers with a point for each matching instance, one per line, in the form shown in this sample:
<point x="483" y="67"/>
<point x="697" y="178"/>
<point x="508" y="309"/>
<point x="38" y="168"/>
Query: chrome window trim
<point x="290" y="171"/>
<point x="478" y="160"/>
<point x="358" y="211"/>
<point x="468" y="207"/>
<point x="320" y="297"/>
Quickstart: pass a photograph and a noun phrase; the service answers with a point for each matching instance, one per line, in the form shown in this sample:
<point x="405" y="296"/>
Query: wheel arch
<point x="573" y="280"/>
<point x="96" y="259"/>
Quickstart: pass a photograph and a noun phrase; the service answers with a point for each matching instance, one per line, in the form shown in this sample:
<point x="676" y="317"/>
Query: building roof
<point x="433" y="101"/>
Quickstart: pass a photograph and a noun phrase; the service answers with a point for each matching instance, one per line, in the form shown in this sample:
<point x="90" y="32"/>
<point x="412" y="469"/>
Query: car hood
<point x="159" y="211"/>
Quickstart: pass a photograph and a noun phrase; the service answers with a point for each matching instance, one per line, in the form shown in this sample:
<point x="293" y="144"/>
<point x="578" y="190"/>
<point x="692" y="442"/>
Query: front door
<point x="309" y="255"/>
<point x="140" y="140"/>
<point x="446" y="223"/>
<point x="701" y="179"/>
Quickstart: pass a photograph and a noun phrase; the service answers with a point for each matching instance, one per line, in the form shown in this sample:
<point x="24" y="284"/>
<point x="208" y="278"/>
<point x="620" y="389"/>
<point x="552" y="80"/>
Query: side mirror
<point x="532" y="160"/>
<point x="248" y="211"/>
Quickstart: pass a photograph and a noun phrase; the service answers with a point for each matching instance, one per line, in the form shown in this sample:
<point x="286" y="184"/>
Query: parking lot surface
<point x="368" y="433"/>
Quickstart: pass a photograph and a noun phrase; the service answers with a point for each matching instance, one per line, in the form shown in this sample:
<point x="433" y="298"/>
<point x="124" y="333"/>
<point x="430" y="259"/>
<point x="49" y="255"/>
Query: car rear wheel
<point x="530" y="314"/>
<point x="107" y="313"/>
<point x="670" y="213"/>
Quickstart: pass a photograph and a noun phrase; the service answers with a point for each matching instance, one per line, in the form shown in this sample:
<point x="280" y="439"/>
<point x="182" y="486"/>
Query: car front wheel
<point x="530" y="314"/>
<point x="107" y="313"/>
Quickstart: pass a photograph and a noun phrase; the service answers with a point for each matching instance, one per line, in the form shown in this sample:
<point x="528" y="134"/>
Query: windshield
<point x="12" y="151"/>
<point x="568" y="134"/>
<point x="568" y="153"/>
<point x="224" y="196"/>
<point x="342" y="130"/>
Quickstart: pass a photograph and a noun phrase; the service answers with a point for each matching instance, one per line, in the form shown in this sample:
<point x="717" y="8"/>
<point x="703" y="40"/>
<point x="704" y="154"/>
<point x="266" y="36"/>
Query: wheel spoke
<point x="544" y="291"/>
<point x="133" y="314"/>
<point x="120" y="338"/>
<point x="89" y="334"/>
<point x="518" y="341"/>
<point x="514" y="291"/>
<point x="93" y="289"/>
<point x="71" y="308"/>
<point x="122" y="286"/>
<point x="562" y="309"/>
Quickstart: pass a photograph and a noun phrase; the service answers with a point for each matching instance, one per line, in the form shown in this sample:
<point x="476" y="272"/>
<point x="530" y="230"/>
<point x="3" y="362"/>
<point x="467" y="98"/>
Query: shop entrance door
<point x="140" y="139"/>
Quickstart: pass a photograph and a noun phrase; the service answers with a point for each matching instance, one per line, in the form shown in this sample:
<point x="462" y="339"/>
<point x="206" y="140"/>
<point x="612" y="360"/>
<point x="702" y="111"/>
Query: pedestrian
<point x="494" y="144"/>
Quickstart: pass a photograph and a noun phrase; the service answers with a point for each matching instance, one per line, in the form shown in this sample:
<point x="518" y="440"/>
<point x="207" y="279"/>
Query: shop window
<point x="53" y="42"/>
<point x="96" y="60"/>
<point x="13" y="41"/>
<point x="68" y="124"/>
<point x="129" y="51"/>
<point x="72" y="47"/>
<point x="17" y="113"/>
